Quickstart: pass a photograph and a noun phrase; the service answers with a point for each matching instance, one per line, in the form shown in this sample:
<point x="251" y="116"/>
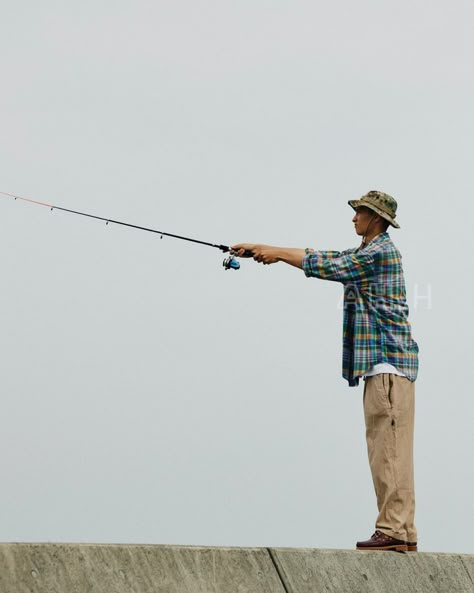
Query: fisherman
<point x="378" y="347"/>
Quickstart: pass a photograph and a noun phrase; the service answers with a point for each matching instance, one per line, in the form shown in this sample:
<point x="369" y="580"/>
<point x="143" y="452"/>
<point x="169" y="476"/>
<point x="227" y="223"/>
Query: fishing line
<point x="230" y="263"/>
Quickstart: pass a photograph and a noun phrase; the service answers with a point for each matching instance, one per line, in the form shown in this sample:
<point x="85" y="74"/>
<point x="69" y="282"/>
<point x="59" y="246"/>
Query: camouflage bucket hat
<point x="379" y="202"/>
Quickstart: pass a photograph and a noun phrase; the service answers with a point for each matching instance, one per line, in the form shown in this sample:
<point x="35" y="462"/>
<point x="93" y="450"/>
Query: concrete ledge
<point x="91" y="568"/>
<point x="78" y="568"/>
<point x="318" y="571"/>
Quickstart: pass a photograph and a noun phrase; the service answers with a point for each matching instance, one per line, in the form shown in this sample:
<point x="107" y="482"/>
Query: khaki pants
<point x="389" y="409"/>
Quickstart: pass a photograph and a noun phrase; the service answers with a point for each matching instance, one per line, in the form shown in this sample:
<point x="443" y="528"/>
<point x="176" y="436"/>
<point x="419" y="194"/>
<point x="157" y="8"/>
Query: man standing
<point x="377" y="345"/>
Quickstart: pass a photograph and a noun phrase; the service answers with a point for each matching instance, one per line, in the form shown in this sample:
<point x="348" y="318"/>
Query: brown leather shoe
<point x="380" y="541"/>
<point x="412" y="546"/>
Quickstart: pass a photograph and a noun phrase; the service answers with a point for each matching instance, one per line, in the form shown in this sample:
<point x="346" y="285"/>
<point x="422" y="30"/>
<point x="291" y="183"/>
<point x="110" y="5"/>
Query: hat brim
<point x="356" y="203"/>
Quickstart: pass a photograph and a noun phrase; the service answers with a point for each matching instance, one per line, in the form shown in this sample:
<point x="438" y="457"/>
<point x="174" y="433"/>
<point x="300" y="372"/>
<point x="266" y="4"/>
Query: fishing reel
<point x="231" y="263"/>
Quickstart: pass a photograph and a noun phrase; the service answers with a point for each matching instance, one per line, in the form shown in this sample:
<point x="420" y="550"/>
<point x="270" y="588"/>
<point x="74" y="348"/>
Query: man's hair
<point x="385" y="223"/>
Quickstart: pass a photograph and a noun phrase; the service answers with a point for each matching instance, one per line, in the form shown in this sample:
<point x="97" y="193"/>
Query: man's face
<point x="362" y="218"/>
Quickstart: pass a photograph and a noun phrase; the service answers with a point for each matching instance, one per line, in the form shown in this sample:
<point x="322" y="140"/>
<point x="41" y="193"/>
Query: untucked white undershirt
<point x="383" y="367"/>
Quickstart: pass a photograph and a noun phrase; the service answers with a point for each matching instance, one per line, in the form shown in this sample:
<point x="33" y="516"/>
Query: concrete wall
<point x="81" y="568"/>
<point x="315" y="571"/>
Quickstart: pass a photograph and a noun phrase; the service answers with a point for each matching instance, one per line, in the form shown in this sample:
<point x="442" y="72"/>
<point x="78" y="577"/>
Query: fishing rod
<point x="230" y="263"/>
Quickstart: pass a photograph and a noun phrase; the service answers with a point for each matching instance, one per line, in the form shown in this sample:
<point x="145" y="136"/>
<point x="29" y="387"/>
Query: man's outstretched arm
<point x="268" y="254"/>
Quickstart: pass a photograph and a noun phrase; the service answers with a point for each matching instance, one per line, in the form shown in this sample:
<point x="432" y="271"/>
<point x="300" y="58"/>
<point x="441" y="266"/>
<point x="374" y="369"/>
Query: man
<point x="377" y="345"/>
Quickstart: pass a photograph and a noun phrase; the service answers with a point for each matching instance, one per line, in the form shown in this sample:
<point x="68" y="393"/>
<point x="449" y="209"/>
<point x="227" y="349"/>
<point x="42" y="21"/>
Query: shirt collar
<point x="378" y="239"/>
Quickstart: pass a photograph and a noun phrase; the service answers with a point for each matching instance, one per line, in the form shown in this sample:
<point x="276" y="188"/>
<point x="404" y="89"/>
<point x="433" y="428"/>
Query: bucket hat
<point x="379" y="202"/>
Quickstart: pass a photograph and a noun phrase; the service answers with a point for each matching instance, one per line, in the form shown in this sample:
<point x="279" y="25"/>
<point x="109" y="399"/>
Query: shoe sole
<point x="412" y="548"/>
<point x="392" y="548"/>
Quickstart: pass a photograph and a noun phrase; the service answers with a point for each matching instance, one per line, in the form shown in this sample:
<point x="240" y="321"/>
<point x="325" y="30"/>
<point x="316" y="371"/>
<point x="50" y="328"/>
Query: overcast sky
<point x="149" y="396"/>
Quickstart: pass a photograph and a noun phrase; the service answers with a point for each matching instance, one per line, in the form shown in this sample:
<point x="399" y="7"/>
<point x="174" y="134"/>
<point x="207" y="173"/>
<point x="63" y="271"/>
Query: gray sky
<point x="149" y="396"/>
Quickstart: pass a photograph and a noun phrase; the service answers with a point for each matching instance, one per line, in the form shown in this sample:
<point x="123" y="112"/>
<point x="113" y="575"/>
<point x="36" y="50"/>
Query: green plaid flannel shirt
<point x="376" y="327"/>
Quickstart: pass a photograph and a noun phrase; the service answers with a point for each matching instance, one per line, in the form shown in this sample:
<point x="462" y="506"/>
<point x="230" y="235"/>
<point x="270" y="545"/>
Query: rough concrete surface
<point x="79" y="568"/>
<point x="341" y="571"/>
<point x="92" y="568"/>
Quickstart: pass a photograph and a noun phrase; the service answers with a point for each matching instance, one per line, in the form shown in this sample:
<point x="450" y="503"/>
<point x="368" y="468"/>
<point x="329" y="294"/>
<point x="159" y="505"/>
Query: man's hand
<point x="266" y="254"/>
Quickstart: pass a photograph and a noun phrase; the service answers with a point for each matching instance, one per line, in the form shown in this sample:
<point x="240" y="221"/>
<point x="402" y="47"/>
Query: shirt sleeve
<point x="337" y="266"/>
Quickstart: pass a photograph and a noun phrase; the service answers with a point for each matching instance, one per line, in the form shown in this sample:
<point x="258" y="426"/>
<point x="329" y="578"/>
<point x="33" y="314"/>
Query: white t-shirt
<point x="383" y="367"/>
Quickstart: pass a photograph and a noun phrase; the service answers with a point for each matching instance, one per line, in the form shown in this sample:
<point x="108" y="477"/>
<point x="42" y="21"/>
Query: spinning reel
<point x="231" y="263"/>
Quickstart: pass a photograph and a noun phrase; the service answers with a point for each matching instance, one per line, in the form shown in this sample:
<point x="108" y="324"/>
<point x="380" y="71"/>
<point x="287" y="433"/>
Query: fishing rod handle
<point x="246" y="253"/>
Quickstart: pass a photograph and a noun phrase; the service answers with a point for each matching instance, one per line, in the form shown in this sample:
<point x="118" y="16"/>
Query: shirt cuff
<point x="306" y="264"/>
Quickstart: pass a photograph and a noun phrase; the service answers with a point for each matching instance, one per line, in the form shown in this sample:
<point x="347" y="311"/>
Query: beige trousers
<point x="389" y="409"/>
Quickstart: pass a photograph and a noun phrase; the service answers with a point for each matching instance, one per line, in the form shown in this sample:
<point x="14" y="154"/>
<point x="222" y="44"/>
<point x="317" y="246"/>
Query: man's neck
<point x="371" y="235"/>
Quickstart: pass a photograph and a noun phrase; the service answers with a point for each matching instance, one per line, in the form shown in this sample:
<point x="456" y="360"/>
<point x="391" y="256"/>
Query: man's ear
<point x="382" y="221"/>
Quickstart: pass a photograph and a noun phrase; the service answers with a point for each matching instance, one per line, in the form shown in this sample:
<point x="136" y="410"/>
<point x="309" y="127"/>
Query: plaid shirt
<point x="376" y="326"/>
